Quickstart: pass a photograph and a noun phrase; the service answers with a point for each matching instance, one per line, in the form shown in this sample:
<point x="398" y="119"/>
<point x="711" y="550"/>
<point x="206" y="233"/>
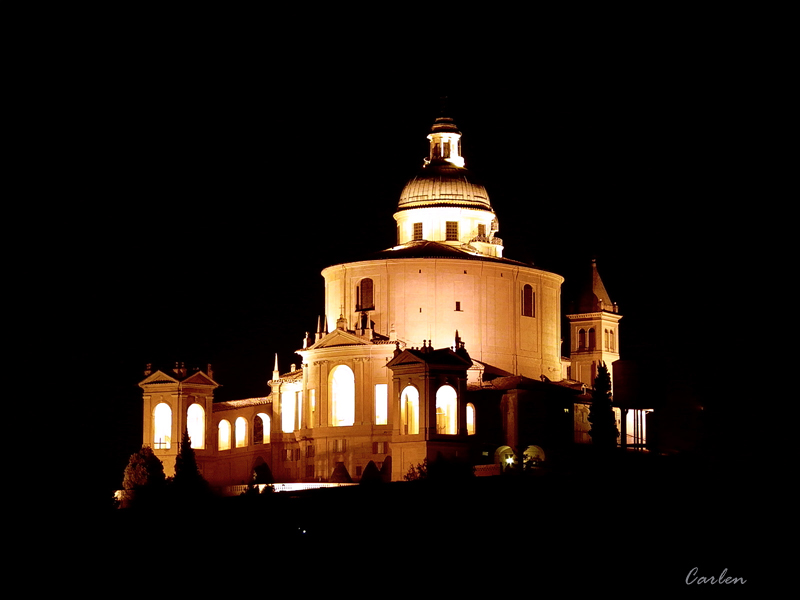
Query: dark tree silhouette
<point x="143" y="479"/>
<point x="603" y="430"/>
<point x="187" y="477"/>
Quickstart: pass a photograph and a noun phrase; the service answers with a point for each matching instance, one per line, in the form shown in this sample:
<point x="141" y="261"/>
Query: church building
<point x="438" y="346"/>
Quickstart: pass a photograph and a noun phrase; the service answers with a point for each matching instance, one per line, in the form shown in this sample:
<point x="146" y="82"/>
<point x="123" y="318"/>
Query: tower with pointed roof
<point x="594" y="329"/>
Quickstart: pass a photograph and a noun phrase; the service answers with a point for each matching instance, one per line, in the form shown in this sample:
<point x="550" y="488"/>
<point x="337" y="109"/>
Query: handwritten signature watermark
<point x="693" y="578"/>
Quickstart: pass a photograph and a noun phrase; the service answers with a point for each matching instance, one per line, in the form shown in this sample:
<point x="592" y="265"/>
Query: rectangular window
<point x="310" y="451"/>
<point x="481" y="231"/>
<point x="458" y="306"/>
<point x="380" y="447"/>
<point x="381" y="403"/>
<point x="312" y="401"/>
<point x="417" y="231"/>
<point x="451" y="230"/>
<point x="288" y="454"/>
<point x="339" y="445"/>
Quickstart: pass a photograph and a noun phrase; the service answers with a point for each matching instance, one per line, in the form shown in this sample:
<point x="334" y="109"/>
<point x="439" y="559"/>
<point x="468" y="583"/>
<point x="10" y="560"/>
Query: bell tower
<point x="594" y="329"/>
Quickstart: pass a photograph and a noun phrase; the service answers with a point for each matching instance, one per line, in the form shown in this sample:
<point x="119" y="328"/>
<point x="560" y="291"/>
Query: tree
<point x="603" y="429"/>
<point x="143" y="480"/>
<point x="187" y="474"/>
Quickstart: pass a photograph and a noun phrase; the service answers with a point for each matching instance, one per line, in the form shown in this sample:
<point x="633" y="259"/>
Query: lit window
<point x="261" y="426"/>
<point x="409" y="406"/>
<point x="446" y="412"/>
<point x="162" y="426"/>
<point x="528" y="307"/>
<point x="224" y="435"/>
<point x="241" y="432"/>
<point x="287" y="411"/>
<point x="451" y="230"/>
<point x="312" y="401"/>
<point x="299" y="399"/>
<point x="470" y="419"/>
<point x="381" y="403"/>
<point x="196" y="425"/>
<point x="343" y="396"/>
<point x="417" y="231"/>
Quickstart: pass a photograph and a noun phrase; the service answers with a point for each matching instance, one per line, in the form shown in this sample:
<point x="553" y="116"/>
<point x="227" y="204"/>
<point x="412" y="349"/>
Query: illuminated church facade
<point x="438" y="346"/>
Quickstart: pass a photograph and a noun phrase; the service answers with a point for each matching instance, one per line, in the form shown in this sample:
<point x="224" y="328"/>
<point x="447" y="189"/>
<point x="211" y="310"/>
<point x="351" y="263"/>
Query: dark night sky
<point x="215" y="184"/>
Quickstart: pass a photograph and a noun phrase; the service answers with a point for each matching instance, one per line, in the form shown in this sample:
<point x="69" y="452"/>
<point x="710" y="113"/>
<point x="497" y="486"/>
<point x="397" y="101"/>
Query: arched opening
<point x="581" y="339"/>
<point x="505" y="457"/>
<point x="224" y="437"/>
<point x="196" y="425"/>
<point x="534" y="456"/>
<point x="261" y="428"/>
<point x="470" y="418"/>
<point x="342" y="396"/>
<point x="527" y="301"/>
<point x="592" y="345"/>
<point x="611" y="343"/>
<point x="241" y="432"/>
<point x="162" y="426"/>
<point x="446" y="410"/>
<point x="409" y="408"/>
<point x="364" y="295"/>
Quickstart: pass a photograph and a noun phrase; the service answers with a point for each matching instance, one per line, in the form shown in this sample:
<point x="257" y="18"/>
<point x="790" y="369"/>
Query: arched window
<point x="241" y="432"/>
<point x="611" y="342"/>
<point x="224" y="438"/>
<point x="605" y="339"/>
<point x="196" y="425"/>
<point x="581" y="339"/>
<point x="162" y="426"/>
<point x="364" y="295"/>
<point x="470" y="419"/>
<point x="527" y="301"/>
<point x="592" y="342"/>
<point x="288" y="400"/>
<point x="261" y="428"/>
<point x="409" y="407"/>
<point x="446" y="411"/>
<point x="342" y="396"/>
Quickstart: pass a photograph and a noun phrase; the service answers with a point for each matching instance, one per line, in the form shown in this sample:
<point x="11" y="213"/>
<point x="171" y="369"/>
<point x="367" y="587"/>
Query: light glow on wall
<point x="381" y="404"/>
<point x="162" y="427"/>
<point x="287" y="411"/>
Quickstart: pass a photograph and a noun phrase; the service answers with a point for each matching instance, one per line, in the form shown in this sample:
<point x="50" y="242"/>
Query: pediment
<point x="339" y="338"/>
<point x="158" y="377"/>
<point x="200" y="378"/>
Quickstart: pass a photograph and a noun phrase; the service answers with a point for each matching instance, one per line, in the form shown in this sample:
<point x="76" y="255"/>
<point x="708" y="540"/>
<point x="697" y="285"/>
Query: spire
<point x="276" y="374"/>
<point x="593" y="296"/>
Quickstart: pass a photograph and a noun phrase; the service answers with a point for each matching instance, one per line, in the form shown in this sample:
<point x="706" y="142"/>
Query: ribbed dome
<point x="441" y="183"/>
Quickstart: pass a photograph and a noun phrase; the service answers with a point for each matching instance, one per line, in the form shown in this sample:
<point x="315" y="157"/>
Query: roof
<point x="429" y="249"/>
<point x="593" y="296"/>
<point x="441" y="183"/>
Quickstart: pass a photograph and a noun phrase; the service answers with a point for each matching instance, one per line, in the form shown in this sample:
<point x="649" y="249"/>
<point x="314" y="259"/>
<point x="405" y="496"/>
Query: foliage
<point x="440" y="469"/>
<point x="371" y="474"/>
<point x="417" y="473"/>
<point x="144" y="470"/>
<point x="603" y="430"/>
<point x="187" y="473"/>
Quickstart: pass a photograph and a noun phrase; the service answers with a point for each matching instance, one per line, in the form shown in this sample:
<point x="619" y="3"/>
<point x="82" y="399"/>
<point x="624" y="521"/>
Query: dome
<point x="440" y="183"/>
